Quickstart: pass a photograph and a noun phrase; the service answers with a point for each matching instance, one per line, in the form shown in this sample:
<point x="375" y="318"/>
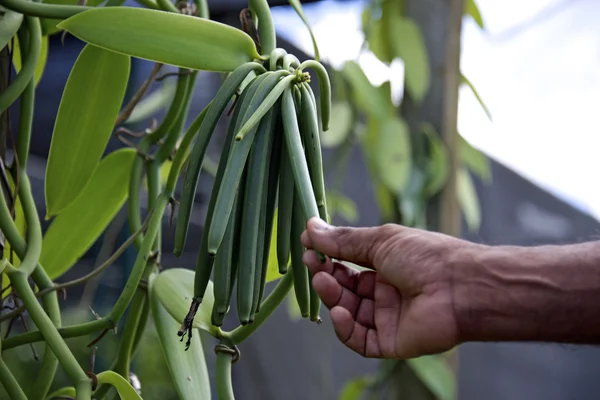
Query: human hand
<point x="402" y="307"/>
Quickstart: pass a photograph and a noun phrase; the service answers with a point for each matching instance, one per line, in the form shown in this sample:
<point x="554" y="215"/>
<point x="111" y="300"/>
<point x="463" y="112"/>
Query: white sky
<point x="542" y="84"/>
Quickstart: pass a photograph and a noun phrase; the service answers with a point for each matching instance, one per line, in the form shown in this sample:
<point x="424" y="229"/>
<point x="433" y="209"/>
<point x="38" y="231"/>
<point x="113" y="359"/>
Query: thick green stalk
<point x="34" y="230"/>
<point x="154" y="189"/>
<point x="35" y="9"/>
<point x="275" y="298"/>
<point x="68" y="361"/>
<point x="135" y="182"/>
<point x="172" y="136"/>
<point x="223" y="374"/>
<point x="151" y="4"/>
<point x="27" y="42"/>
<point x="9" y="382"/>
<point x="166" y="5"/>
<point x="266" y="29"/>
<point x="30" y="34"/>
<point x="203" y="11"/>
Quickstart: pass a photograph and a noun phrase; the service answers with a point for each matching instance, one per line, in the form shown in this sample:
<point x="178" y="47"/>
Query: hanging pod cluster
<point x="271" y="163"/>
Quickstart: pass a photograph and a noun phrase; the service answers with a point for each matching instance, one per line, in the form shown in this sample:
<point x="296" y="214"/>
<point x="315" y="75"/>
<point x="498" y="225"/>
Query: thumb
<point x="356" y="245"/>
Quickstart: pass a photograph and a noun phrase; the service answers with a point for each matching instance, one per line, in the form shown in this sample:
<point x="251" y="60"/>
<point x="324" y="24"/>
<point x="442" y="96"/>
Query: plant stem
<point x="170" y="142"/>
<point x="30" y="34"/>
<point x="166" y="5"/>
<point x="53" y="287"/>
<point x="223" y="374"/>
<point x="34" y="230"/>
<point x="126" y="112"/>
<point x="266" y="29"/>
<point x="151" y="4"/>
<point x="10" y="383"/>
<point x="154" y="188"/>
<point x="27" y="96"/>
<point x="34" y="9"/>
<point x="68" y="361"/>
<point x="275" y="298"/>
<point x="135" y="181"/>
<point x="203" y="11"/>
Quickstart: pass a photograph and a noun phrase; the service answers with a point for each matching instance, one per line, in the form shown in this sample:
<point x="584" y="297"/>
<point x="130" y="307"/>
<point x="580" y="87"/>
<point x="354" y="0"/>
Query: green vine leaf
<point x="409" y="45"/>
<point x="123" y="387"/>
<point x="7" y="253"/>
<point x="72" y="232"/>
<point x="174" y="288"/>
<point x="473" y="10"/>
<point x="367" y="98"/>
<point x="468" y="200"/>
<point x="337" y="203"/>
<point x="465" y="81"/>
<point x="88" y="109"/>
<point x="475" y="160"/>
<point x="377" y="33"/>
<point x="49" y="25"/>
<point x="297" y="6"/>
<point x="153" y="103"/>
<point x="188" y="369"/>
<point x="339" y="127"/>
<point x="10" y="21"/>
<point x="438" y="165"/>
<point x="436" y="374"/>
<point x="65" y="392"/>
<point x="170" y="38"/>
<point x="393" y="154"/>
<point x="273" y="266"/>
<point x="355" y="388"/>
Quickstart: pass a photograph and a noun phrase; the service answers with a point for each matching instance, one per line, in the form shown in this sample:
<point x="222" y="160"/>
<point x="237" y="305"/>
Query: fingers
<point x="357" y="245"/>
<point x="361" y="283"/>
<point x="357" y="337"/>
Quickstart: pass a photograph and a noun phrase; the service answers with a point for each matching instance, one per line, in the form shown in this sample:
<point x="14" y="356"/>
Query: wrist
<point x="512" y="293"/>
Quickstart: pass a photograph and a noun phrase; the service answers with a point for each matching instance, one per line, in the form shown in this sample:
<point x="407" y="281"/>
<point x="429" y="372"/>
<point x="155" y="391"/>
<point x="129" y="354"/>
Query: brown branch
<point x="138" y="96"/>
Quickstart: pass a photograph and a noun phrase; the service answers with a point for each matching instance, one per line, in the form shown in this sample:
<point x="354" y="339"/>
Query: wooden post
<point x="440" y="22"/>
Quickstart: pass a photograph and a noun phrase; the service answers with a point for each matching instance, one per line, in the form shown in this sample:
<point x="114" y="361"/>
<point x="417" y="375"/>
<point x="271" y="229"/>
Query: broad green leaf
<point x="339" y="126"/>
<point x="467" y="82"/>
<point x="393" y="154"/>
<point x="65" y="392"/>
<point x="468" y="200"/>
<point x="170" y="38"/>
<point x="377" y="33"/>
<point x="475" y="160"/>
<point x="337" y="203"/>
<point x="473" y="10"/>
<point x="438" y="165"/>
<point x="409" y="45"/>
<point x="187" y="368"/>
<point x="412" y="202"/>
<point x="175" y="289"/>
<point x="366" y="97"/>
<point x="41" y="64"/>
<point x="436" y="374"/>
<point x="124" y="388"/>
<point x="72" y="232"/>
<point x="355" y="388"/>
<point x="10" y="21"/>
<point x="49" y="25"/>
<point x="89" y="106"/>
<point x="153" y="103"/>
<point x="297" y="6"/>
<point x="273" y="266"/>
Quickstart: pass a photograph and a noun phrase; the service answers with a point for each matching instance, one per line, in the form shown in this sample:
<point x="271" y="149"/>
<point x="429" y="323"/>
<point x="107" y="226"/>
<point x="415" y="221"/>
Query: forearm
<point x="546" y="293"/>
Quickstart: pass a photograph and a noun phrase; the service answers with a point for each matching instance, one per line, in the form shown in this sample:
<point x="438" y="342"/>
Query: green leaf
<point x="49" y="25"/>
<point x="475" y="160"/>
<point x="377" y="33"/>
<point x="124" y="388"/>
<point x="41" y="63"/>
<point x="467" y="82"/>
<point x="72" y="233"/>
<point x="10" y="21"/>
<point x="355" y="388"/>
<point x="436" y="374"/>
<point x="170" y="38"/>
<point x="20" y="224"/>
<point x="337" y="203"/>
<point x="366" y="97"/>
<point x="438" y="165"/>
<point x="88" y="109"/>
<point x="473" y="10"/>
<point x="339" y="126"/>
<point x="293" y="309"/>
<point x="297" y="6"/>
<point x="412" y="201"/>
<point x="65" y="392"/>
<point x="188" y="369"/>
<point x="393" y="154"/>
<point x="468" y="200"/>
<point x="153" y="103"/>
<point x="273" y="266"/>
<point x="175" y="289"/>
<point x="409" y="45"/>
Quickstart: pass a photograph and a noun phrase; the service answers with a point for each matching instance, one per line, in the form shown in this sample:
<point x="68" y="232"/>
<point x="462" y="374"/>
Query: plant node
<point x="226" y="349"/>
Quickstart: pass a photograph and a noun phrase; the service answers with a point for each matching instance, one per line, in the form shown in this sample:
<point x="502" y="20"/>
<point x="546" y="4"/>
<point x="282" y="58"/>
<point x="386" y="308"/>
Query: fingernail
<point x="320" y="225"/>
